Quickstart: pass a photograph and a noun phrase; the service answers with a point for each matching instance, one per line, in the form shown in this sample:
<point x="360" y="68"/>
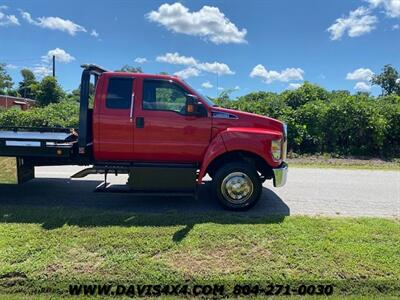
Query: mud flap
<point x="25" y="170"/>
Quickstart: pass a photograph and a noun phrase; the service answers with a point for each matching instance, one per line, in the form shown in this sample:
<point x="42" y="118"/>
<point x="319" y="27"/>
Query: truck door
<point x="163" y="132"/>
<point x="115" y="130"/>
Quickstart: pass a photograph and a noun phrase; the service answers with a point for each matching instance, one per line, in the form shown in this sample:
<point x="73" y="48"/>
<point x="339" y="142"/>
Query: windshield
<point x="207" y="100"/>
<point x="204" y="98"/>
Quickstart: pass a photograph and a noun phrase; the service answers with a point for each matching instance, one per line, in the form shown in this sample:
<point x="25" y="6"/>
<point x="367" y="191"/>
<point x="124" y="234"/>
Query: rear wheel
<point x="237" y="186"/>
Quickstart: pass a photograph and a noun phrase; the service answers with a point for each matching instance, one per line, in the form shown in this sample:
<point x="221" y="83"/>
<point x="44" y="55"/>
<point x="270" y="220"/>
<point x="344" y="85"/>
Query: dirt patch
<point x="53" y="269"/>
<point x="84" y="261"/>
<point x="221" y="260"/>
<point x="77" y="261"/>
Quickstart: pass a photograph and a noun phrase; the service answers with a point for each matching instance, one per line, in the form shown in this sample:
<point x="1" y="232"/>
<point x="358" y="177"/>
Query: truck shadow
<point x="56" y="202"/>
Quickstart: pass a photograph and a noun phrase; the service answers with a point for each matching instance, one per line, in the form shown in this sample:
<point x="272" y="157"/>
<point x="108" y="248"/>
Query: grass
<point x="7" y="170"/>
<point x="42" y="250"/>
<point x="326" y="161"/>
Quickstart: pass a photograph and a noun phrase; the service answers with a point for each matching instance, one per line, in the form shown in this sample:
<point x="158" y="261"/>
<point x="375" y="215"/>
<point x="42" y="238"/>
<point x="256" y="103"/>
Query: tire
<point x="237" y="186"/>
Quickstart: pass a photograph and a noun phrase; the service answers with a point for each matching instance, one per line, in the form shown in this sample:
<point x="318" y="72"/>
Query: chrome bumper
<point x="280" y="175"/>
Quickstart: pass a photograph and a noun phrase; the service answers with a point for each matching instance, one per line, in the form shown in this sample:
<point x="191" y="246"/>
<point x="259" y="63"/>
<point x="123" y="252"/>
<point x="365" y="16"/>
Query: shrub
<point x="63" y="114"/>
<point x="333" y="122"/>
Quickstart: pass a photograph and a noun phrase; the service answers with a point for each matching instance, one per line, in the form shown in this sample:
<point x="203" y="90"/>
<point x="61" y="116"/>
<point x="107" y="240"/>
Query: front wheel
<point x="237" y="186"/>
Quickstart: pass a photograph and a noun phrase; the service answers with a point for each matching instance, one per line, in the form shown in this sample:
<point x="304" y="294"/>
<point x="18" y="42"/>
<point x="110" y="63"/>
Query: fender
<point x="255" y="140"/>
<point x="215" y="149"/>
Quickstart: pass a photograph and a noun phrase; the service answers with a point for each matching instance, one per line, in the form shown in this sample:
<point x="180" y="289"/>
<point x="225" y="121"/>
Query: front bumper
<point x="280" y="175"/>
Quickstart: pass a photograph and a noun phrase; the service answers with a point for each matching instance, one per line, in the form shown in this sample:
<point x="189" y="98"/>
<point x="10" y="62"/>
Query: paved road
<point x="308" y="192"/>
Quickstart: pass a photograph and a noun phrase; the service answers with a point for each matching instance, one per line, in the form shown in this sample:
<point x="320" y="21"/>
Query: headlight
<point x="276" y="149"/>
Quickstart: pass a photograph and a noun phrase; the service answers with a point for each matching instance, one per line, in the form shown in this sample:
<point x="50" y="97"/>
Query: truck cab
<point x="160" y="123"/>
<point x="164" y="134"/>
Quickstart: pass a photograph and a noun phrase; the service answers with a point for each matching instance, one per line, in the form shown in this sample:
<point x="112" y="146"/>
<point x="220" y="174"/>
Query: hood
<point x="223" y="118"/>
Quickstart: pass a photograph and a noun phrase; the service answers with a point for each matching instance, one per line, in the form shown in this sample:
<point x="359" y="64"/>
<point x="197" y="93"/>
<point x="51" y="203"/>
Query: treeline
<point x="334" y="122"/>
<point x="319" y="121"/>
<point x="330" y="122"/>
<point x="45" y="91"/>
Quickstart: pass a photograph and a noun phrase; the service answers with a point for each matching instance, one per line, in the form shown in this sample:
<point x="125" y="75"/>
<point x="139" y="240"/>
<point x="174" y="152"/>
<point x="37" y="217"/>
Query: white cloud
<point x="60" y="54"/>
<point x="140" y="60"/>
<point x="391" y="7"/>
<point x="11" y="66"/>
<point x="358" y="22"/>
<point x="216" y="68"/>
<point x="220" y="88"/>
<point x="236" y="88"/>
<point x="289" y="74"/>
<point x="188" y="72"/>
<point x="7" y="20"/>
<point x="54" y="23"/>
<point x="209" y="22"/>
<point x="207" y="85"/>
<point x="176" y="59"/>
<point x="361" y="74"/>
<point x="396" y="27"/>
<point x="362" y="87"/>
<point x="94" y="33"/>
<point x="294" y="86"/>
<point x="42" y="70"/>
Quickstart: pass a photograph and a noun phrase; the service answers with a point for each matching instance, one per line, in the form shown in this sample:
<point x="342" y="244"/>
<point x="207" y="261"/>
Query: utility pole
<point x="54" y="66"/>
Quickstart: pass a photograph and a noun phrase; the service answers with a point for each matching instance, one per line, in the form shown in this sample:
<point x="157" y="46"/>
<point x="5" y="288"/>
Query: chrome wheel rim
<point x="237" y="187"/>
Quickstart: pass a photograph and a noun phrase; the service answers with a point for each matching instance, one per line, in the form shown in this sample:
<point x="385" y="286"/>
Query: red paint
<point x="112" y="128"/>
<point x="168" y="136"/>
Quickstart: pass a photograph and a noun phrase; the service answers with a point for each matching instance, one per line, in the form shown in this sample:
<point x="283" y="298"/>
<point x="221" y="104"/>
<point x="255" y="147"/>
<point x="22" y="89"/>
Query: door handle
<point x="139" y="122"/>
<point x="131" y="110"/>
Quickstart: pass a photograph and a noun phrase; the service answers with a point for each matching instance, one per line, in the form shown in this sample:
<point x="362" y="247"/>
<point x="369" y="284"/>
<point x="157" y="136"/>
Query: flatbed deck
<point x="36" y="142"/>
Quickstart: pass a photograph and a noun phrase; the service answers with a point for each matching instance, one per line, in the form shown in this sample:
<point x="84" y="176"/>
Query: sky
<point x="243" y="46"/>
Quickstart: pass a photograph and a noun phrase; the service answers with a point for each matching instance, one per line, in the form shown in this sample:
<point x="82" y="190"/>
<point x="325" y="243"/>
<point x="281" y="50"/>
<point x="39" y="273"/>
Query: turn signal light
<point x="276" y="149"/>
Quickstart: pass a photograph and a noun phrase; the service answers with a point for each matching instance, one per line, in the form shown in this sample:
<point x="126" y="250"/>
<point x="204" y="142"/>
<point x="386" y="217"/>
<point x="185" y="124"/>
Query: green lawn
<point x="42" y="250"/>
<point x="7" y="170"/>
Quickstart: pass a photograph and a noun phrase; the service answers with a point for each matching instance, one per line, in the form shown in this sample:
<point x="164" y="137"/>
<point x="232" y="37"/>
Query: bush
<point x="330" y="122"/>
<point x="63" y="114"/>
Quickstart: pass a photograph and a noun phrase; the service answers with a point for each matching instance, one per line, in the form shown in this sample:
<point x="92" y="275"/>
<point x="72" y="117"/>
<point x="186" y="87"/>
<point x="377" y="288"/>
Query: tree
<point x="29" y="85"/>
<point x="224" y="95"/>
<point x="75" y="95"/>
<point x="6" y="82"/>
<point x="131" y="69"/>
<point x="49" y="91"/>
<point x="388" y="80"/>
<point x="306" y="93"/>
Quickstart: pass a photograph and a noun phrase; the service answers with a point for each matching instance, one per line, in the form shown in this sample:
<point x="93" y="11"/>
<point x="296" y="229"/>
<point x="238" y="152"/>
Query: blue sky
<point x="242" y="45"/>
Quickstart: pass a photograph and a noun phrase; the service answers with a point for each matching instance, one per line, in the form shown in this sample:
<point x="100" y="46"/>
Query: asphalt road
<point x="308" y="192"/>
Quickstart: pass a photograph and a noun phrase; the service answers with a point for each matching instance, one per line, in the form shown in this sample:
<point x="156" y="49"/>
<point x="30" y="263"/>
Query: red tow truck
<point x="162" y="133"/>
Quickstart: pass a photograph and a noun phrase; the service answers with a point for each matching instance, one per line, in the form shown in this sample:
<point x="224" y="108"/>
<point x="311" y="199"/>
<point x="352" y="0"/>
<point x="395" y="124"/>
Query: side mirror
<point x="194" y="107"/>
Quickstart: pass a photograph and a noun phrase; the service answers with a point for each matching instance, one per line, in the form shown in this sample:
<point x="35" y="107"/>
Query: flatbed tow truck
<point x="162" y="133"/>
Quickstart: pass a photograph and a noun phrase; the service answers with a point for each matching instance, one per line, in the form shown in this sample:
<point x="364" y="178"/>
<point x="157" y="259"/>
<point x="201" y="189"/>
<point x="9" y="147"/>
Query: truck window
<point x="119" y="93"/>
<point x="163" y="95"/>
